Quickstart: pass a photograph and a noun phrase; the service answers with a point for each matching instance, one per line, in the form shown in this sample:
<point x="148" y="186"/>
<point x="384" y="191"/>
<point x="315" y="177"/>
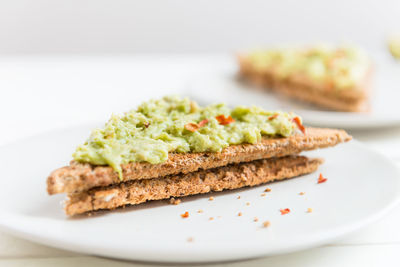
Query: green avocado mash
<point x="173" y="124"/>
<point x="343" y="67"/>
<point x="394" y="47"/>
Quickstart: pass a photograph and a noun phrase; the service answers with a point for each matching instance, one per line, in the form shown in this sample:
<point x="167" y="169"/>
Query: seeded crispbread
<point x="78" y="177"/>
<point x="203" y="181"/>
<point x="301" y="88"/>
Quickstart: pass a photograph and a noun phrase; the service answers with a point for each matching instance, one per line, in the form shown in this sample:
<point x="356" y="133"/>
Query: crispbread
<point x="203" y="181"/>
<point x="80" y="177"/>
<point x="332" y="101"/>
<point x="301" y="88"/>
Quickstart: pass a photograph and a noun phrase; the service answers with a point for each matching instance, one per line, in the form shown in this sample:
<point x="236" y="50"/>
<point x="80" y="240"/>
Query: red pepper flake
<point x="299" y="125"/>
<point x="225" y="120"/>
<point x="185" y="215"/>
<point x="322" y="179"/>
<point x="202" y="123"/>
<point x="284" y="211"/>
<point x="146" y="124"/>
<point x="192" y="127"/>
<point x="273" y="117"/>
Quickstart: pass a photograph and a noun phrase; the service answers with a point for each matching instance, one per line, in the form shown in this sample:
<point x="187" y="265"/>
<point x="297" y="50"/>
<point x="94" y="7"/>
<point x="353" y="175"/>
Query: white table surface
<point x="40" y="93"/>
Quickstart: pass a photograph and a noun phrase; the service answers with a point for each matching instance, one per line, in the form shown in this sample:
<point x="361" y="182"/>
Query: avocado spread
<point x="341" y="67"/>
<point x="174" y="124"/>
<point x="394" y="47"/>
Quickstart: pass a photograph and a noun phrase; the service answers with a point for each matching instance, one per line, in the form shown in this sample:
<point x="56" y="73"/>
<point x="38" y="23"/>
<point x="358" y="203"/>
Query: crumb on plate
<point x="266" y="224"/>
<point x="174" y="201"/>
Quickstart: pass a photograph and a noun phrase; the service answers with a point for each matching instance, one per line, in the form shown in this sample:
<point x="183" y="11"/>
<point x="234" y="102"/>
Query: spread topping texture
<point x="179" y="125"/>
<point x="333" y="67"/>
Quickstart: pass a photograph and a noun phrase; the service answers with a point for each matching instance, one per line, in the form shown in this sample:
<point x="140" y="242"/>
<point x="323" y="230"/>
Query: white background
<point x="134" y="26"/>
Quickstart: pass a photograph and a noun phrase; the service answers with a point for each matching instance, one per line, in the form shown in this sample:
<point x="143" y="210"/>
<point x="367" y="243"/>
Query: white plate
<point x="362" y="185"/>
<point x="385" y="108"/>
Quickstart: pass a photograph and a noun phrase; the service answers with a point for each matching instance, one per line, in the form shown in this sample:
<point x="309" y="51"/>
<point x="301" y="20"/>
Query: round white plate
<point x="385" y="108"/>
<point x="362" y="186"/>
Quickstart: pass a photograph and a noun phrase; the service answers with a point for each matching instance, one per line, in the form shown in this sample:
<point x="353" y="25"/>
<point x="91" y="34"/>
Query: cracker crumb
<point x="200" y="211"/>
<point x="309" y="210"/>
<point x="255" y="219"/>
<point x="174" y="201"/>
<point x="190" y="239"/>
<point x="211" y="218"/>
<point x="263" y="194"/>
<point x="302" y="193"/>
<point x="247" y="203"/>
<point x="185" y="215"/>
<point x="238" y="197"/>
<point x="266" y="224"/>
<point x="211" y="199"/>
<point x="240" y="214"/>
<point x="268" y="189"/>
